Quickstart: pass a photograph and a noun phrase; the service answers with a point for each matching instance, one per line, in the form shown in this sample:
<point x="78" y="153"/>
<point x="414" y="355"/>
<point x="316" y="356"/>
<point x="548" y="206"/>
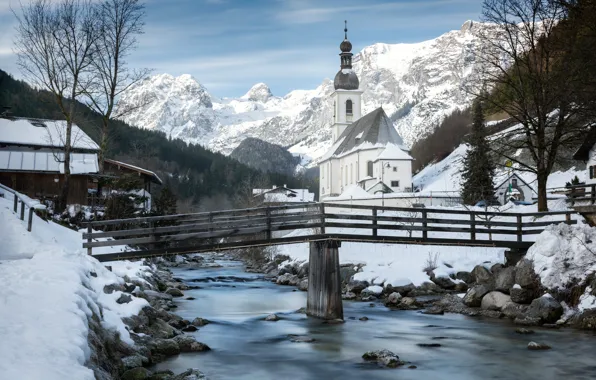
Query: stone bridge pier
<point x="324" y="281"/>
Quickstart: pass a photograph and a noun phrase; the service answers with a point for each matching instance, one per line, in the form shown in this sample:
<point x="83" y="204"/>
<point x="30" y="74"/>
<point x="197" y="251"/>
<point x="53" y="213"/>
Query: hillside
<point x="192" y="171"/>
<point x="417" y="85"/>
<point x="265" y="157"/>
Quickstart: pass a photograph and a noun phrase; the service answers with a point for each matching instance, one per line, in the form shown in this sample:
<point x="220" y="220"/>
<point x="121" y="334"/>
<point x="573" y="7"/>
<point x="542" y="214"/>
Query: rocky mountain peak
<point x="260" y="92"/>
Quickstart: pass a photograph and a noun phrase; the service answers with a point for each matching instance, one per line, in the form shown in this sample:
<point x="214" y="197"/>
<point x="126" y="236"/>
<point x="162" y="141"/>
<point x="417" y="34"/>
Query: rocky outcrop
<point x="545" y="308"/>
<point x="384" y="358"/>
<point x="505" y="279"/>
<point x="525" y="275"/>
<point x="473" y="297"/>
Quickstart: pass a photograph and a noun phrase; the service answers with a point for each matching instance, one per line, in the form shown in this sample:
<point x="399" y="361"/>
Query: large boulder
<point x="473" y="297"/>
<point x="444" y="282"/>
<point x="134" y="361"/>
<point x="174" y="292"/>
<point x="138" y="373"/>
<point x="346" y="272"/>
<point x="303" y="270"/>
<point x="288" y="279"/>
<point x="525" y="275"/>
<point x="546" y="308"/>
<point x="496" y="268"/>
<point x="356" y="286"/>
<point x="514" y="310"/>
<point x="393" y="299"/>
<point x="586" y="320"/>
<point x="521" y="295"/>
<point x="404" y="290"/>
<point x="303" y="285"/>
<point x="505" y="279"/>
<point x="483" y="276"/>
<point x="495" y="301"/>
<point x="187" y="343"/>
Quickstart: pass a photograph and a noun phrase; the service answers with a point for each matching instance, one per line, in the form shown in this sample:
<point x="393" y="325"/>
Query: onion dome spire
<point x="346" y="79"/>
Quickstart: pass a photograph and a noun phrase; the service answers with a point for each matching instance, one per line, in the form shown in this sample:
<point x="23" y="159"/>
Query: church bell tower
<point x="347" y="95"/>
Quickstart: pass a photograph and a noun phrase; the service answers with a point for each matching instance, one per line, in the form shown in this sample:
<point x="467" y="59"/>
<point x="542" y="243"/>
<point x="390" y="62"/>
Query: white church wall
<point x="395" y="171"/>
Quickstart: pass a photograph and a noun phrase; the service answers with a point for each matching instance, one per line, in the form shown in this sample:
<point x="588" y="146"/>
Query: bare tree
<point x="532" y="81"/>
<point x="121" y="21"/>
<point x="55" y="45"/>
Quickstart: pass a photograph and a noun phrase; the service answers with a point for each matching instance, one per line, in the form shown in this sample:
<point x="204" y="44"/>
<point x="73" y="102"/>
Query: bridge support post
<point x="324" y="281"/>
<point x="513" y="256"/>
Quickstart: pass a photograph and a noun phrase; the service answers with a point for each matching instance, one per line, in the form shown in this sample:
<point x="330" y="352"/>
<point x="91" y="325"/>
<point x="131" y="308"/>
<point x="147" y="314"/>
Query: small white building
<point x="514" y="187"/>
<point x="366" y="150"/>
<point x="283" y="194"/>
<point x="587" y="154"/>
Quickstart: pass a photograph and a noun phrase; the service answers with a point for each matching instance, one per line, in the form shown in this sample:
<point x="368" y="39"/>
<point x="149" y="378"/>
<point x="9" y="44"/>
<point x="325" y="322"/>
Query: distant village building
<point x="366" y="150"/>
<point x="587" y="154"/>
<point x="514" y="188"/>
<point x="282" y="195"/>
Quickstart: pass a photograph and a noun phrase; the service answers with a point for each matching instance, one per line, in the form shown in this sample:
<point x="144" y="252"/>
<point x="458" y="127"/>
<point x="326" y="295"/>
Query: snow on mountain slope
<point x="417" y="85"/>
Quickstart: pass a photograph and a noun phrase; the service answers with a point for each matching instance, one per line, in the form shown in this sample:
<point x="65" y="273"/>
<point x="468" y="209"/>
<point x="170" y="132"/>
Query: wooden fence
<point x="23" y="201"/>
<point x="264" y="226"/>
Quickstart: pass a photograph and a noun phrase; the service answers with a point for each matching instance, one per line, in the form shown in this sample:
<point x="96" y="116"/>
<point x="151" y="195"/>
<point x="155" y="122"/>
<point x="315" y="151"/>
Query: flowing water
<point x="244" y="346"/>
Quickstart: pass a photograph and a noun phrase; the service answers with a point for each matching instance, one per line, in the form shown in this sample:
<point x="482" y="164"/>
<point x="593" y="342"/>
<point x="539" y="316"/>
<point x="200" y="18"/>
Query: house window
<point x="394" y="183"/>
<point x="514" y="182"/>
<point x="369" y="168"/>
<point x="591" y="172"/>
<point x="395" y="168"/>
<point x="349" y="107"/>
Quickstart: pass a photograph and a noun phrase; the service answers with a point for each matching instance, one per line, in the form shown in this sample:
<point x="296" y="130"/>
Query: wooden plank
<point x="424" y="225"/>
<point x="374" y="221"/>
<point x="519" y="228"/>
<point x="472" y="226"/>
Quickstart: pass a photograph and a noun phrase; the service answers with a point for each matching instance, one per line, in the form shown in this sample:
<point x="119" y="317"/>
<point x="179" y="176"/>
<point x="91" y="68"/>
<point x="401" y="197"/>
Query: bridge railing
<point x="23" y="201"/>
<point x="261" y="226"/>
<point x="581" y="195"/>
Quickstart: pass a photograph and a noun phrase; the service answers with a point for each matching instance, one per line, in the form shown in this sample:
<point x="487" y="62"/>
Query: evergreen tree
<point x="165" y="203"/>
<point x="478" y="170"/>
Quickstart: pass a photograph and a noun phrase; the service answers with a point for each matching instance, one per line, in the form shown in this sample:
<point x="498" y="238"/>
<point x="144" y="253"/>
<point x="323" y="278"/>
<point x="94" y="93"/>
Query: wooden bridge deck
<point x="266" y="226"/>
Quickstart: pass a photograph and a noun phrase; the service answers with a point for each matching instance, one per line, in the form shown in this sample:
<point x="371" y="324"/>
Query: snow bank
<point x="47" y="297"/>
<point x="563" y="253"/>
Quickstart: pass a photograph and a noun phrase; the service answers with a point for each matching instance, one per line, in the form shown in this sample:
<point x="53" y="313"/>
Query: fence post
<point x="322" y="211"/>
<point x="16" y="201"/>
<point x="89" y="240"/>
<point x="568" y="216"/>
<point x="22" y="210"/>
<point x="592" y="194"/>
<point x="30" y="221"/>
<point x="519" y="228"/>
<point x="268" y="214"/>
<point x="374" y="221"/>
<point x="424" y="225"/>
<point x="472" y="226"/>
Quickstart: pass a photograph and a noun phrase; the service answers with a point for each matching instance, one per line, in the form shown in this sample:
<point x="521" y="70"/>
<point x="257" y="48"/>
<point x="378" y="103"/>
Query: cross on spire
<point x="346" y="29"/>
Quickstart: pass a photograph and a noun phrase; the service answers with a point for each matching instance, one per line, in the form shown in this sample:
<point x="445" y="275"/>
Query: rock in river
<point x="546" y="308"/>
<point x="495" y="301"/>
<point x="272" y="318"/>
<point x="538" y="346"/>
<point x="473" y="297"/>
<point x="384" y="358"/>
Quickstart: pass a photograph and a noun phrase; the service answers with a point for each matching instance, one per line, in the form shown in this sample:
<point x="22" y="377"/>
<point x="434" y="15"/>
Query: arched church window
<point x="349" y="107"/>
<point x="369" y="168"/>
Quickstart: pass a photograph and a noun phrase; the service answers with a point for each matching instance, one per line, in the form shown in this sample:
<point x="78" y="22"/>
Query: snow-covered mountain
<point x="417" y="85"/>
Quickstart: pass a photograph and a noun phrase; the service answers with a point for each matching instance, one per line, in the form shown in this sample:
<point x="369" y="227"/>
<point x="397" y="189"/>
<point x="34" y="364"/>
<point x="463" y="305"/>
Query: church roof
<point x="374" y="130"/>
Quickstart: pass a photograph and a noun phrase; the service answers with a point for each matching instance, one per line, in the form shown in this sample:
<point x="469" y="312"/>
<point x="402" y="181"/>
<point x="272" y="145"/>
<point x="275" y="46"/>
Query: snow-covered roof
<point x="291" y="196"/>
<point x="352" y="191"/>
<point x="46" y="161"/>
<point x="149" y="173"/>
<point x="373" y="130"/>
<point x="393" y="152"/>
<point x="40" y="132"/>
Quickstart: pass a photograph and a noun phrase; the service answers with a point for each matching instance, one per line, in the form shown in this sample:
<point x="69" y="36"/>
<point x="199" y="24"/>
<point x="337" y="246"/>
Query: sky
<point x="229" y="45"/>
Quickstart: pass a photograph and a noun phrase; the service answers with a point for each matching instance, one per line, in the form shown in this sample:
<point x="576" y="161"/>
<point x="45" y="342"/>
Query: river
<point x="244" y="346"/>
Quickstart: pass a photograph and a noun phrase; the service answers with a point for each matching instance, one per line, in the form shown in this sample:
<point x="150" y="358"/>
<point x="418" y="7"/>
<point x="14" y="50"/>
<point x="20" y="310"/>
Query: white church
<point x="367" y="150"/>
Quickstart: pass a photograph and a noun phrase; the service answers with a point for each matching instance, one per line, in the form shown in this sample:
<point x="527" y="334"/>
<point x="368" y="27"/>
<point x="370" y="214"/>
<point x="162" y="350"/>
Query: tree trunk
<point x="103" y="145"/>
<point x="542" y="176"/>
<point x="63" y="201"/>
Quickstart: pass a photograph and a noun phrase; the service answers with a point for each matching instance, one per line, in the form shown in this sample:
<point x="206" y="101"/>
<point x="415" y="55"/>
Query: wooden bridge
<point x="324" y="226"/>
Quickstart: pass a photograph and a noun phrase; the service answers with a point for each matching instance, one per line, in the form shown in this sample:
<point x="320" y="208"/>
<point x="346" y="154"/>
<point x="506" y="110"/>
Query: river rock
<point x="384" y="358"/>
<point x="303" y="285"/>
<point x="190" y="328"/>
<point x="133" y="361"/>
<point x="527" y="321"/>
<point x="301" y="339"/>
<point x="514" y="310"/>
<point x="546" y="308"/>
<point x="162" y="375"/>
<point x="483" y="276"/>
<point x="356" y="286"/>
<point x="187" y="343"/>
<point x="404" y="290"/>
<point x="272" y="318"/>
<point x="473" y="297"/>
<point x="174" y="292"/>
<point x="433" y="310"/>
<point x="303" y="270"/>
<point x="505" y="279"/>
<point x="138" y="373"/>
<point x="496" y="268"/>
<point x="524" y="331"/>
<point x="444" y="282"/>
<point x="538" y="346"/>
<point x="156" y="295"/>
<point x="346" y="271"/>
<point x="586" y="320"/>
<point x="461" y="287"/>
<point x="363" y="319"/>
<point x="466" y="277"/>
<point x="190" y="374"/>
<point x="409" y="301"/>
<point x="348" y="296"/>
<point x="124" y="298"/>
<point x="288" y="279"/>
<point x="494" y="301"/>
<point x="521" y="295"/>
<point x="200" y="322"/>
<point x="165" y="347"/>
<point x="393" y="299"/>
<point x="525" y="275"/>
<point x="178" y="323"/>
